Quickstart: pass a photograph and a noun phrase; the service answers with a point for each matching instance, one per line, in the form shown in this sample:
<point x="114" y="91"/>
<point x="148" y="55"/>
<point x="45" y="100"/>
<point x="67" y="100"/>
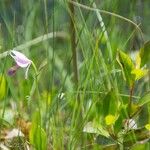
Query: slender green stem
<point x="130" y="100"/>
<point x="35" y="41"/>
<point x="34" y="82"/>
<point x="35" y="69"/>
<point x="104" y="32"/>
<point x="73" y="43"/>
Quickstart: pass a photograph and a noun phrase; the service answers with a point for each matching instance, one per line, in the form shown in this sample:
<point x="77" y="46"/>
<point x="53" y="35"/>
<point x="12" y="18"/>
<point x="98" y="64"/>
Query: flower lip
<point x="13" y="70"/>
<point x="20" y="59"/>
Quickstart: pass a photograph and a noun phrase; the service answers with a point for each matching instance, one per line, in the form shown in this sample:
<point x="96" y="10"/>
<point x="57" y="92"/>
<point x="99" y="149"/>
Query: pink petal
<point x="20" y="59"/>
<point x="21" y="63"/>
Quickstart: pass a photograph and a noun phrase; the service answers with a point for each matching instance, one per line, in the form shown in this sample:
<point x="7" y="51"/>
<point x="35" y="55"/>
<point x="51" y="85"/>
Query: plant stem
<point x="130" y="100"/>
<point x="36" y="41"/>
<point x="73" y="43"/>
<point x="34" y="85"/>
<point x="77" y="114"/>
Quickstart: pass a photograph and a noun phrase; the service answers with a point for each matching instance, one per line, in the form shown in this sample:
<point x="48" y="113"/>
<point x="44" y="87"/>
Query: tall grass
<point x="75" y="47"/>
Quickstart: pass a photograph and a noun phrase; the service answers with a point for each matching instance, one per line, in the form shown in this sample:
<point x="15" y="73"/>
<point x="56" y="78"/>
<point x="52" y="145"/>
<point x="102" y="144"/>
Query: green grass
<point x="81" y="74"/>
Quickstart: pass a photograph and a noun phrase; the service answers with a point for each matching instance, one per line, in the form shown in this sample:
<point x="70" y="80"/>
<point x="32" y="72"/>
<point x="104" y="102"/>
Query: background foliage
<point x="77" y="103"/>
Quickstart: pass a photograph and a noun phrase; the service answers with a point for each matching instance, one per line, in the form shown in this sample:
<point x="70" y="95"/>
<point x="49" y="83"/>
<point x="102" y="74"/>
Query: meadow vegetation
<point x="74" y="74"/>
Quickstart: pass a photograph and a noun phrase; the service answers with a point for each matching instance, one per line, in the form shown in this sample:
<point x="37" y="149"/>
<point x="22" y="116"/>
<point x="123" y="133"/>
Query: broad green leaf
<point x="47" y="97"/>
<point x="141" y="146"/>
<point x="104" y="141"/>
<point x="37" y="135"/>
<point x="90" y="128"/>
<point x="145" y="54"/>
<point x="145" y="99"/>
<point x="95" y="128"/>
<point x="135" y="136"/>
<point x="118" y="123"/>
<point x="127" y="66"/>
<point x="134" y="108"/>
<point x="139" y="73"/>
<point x="2" y="87"/>
<point x="110" y="104"/>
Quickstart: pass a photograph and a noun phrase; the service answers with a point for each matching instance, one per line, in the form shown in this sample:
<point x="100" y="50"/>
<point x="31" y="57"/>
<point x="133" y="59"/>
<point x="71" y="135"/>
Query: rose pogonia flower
<point x="21" y="61"/>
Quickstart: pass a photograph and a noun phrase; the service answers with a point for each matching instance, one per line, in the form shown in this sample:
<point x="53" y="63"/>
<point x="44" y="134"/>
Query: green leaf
<point x="143" y="146"/>
<point x="104" y="141"/>
<point x="4" y="123"/>
<point x="145" y="99"/>
<point x="145" y="54"/>
<point x="118" y="124"/>
<point x="2" y="87"/>
<point x="37" y="135"/>
<point x="135" y="136"/>
<point x="95" y="128"/>
<point x="139" y="73"/>
<point x="127" y="66"/>
<point x="110" y="104"/>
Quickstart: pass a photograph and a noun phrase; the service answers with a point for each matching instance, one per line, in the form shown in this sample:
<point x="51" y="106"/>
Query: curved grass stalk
<point x="104" y="93"/>
<point x="108" y="13"/>
<point x="35" y="41"/>
<point x="104" y="31"/>
<point x="73" y="43"/>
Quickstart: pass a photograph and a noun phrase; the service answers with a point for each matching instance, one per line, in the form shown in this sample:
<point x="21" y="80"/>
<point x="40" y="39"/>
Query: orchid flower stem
<point x="35" y="69"/>
<point x="35" y="80"/>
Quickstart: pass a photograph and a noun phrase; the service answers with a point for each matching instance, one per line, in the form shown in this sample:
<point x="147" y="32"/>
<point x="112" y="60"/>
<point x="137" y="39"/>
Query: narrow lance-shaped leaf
<point x="111" y="103"/>
<point x="2" y="87"/>
<point x="105" y="141"/>
<point x="139" y="73"/>
<point x="37" y="135"/>
<point x="145" y="99"/>
<point x="145" y="54"/>
<point x="127" y="66"/>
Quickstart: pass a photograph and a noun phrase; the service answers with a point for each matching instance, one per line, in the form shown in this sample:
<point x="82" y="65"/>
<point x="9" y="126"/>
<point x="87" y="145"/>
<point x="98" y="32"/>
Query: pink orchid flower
<point x="21" y="61"/>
